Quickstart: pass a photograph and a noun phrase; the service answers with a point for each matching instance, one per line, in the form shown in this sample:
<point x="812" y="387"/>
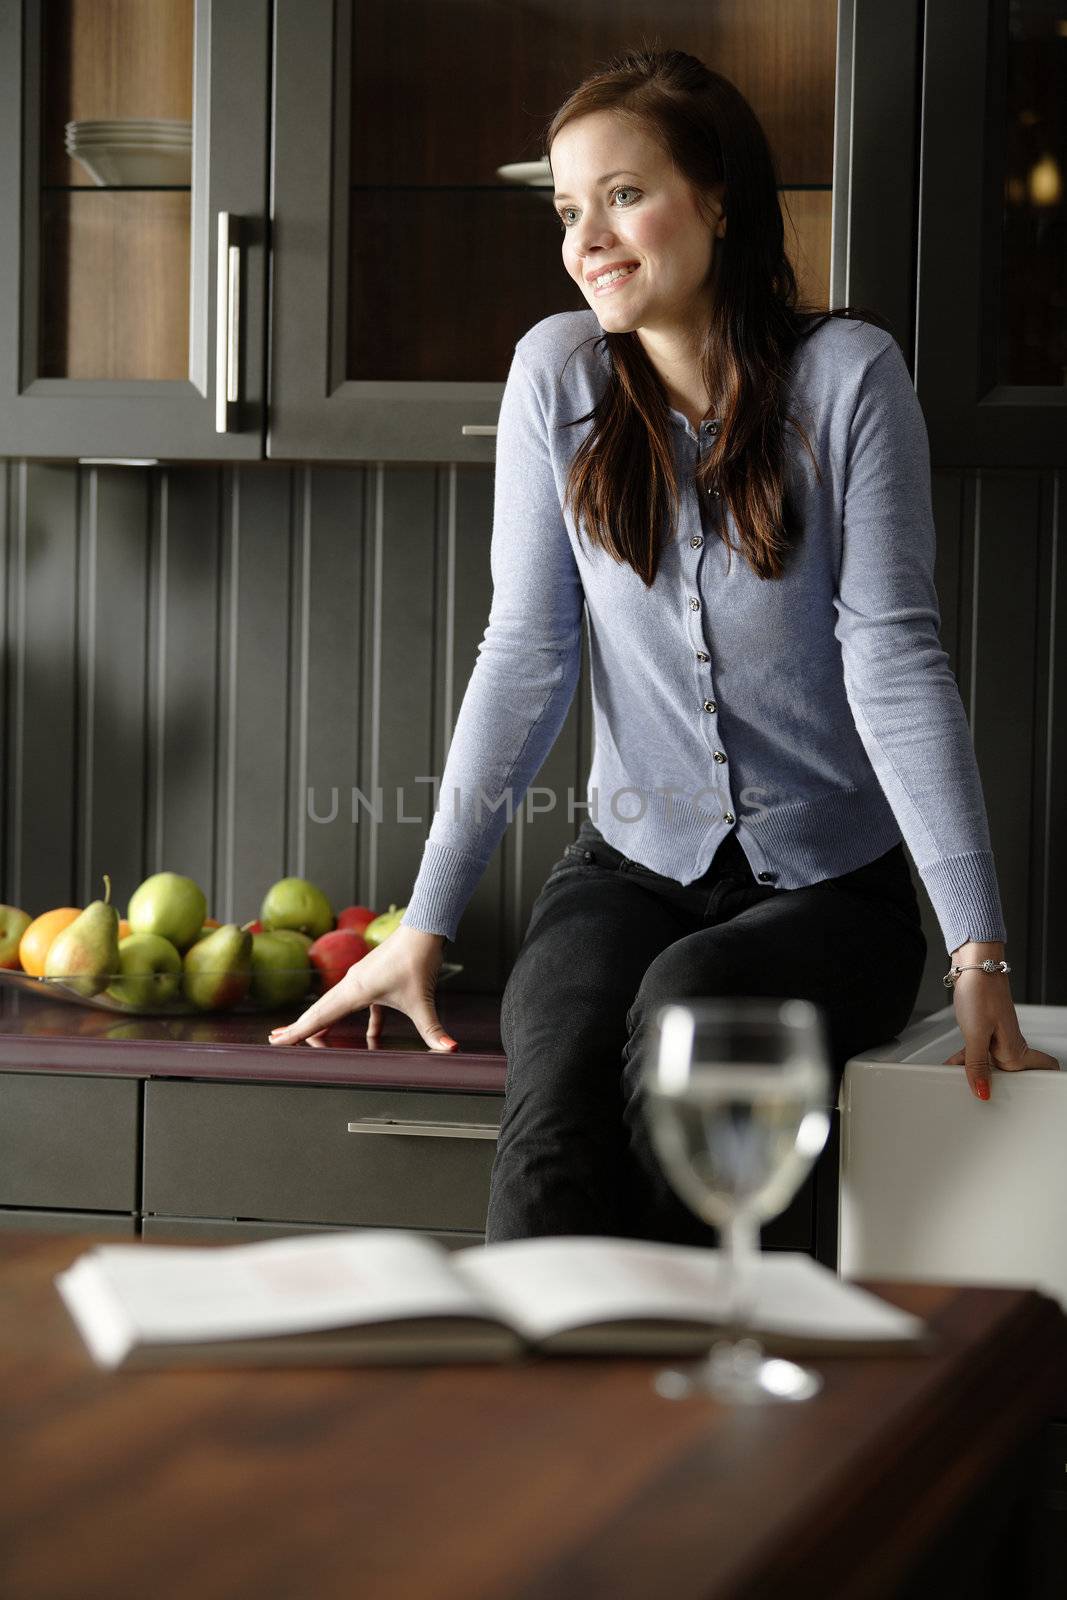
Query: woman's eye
<point x="622" y="189"/>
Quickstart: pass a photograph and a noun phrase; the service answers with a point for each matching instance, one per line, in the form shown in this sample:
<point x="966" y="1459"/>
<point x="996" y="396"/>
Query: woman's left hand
<point x="992" y="1036"/>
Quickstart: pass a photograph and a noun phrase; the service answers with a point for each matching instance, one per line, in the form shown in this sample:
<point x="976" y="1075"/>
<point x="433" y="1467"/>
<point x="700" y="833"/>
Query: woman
<point x="736" y="493"/>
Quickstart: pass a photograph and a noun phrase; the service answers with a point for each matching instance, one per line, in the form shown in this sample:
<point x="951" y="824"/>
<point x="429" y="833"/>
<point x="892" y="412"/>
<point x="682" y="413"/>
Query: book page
<point x="547" y="1285"/>
<point x="169" y="1294"/>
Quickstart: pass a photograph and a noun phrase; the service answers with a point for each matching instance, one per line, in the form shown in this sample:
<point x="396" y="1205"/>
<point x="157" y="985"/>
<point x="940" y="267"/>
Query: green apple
<point x="170" y="906"/>
<point x="13" y="924"/>
<point x="295" y="903"/>
<point x="280" y="967"/>
<point x="151" y="971"/>
<point x="384" y="925"/>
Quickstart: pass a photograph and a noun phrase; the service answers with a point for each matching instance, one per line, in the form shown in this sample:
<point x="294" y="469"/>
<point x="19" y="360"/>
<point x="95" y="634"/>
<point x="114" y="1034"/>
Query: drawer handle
<point x="479" y="430"/>
<point x="426" y="1130"/>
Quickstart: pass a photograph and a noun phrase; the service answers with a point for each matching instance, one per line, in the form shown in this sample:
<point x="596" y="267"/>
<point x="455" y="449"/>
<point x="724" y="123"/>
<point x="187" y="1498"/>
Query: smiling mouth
<point x="614" y="282"/>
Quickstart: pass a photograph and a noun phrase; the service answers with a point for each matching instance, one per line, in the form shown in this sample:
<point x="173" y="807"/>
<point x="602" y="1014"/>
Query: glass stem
<point x="742" y="1236"/>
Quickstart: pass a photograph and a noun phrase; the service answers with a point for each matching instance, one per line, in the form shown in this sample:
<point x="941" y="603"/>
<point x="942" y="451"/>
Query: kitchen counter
<point x="198" y="1128"/>
<point x="39" y="1033"/>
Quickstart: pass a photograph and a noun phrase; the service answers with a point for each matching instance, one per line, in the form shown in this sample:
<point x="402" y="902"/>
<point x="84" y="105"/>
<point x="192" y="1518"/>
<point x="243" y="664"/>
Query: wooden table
<point x="552" y="1479"/>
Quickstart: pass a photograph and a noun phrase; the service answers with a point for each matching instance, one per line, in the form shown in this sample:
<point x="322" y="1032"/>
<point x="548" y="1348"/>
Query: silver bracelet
<point x="949" y="980"/>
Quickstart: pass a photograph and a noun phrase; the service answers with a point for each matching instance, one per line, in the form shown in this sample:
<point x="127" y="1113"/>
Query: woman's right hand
<point x="401" y="972"/>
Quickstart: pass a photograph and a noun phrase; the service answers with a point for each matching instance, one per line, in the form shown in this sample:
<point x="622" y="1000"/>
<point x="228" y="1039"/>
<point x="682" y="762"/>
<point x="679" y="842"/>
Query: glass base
<point x="738" y="1373"/>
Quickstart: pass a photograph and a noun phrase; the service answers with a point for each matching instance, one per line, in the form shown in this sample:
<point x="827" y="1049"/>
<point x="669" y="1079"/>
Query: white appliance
<point x="938" y="1185"/>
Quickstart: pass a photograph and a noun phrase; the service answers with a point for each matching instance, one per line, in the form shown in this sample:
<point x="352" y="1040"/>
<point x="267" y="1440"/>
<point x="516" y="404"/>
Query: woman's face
<point x="644" y="213"/>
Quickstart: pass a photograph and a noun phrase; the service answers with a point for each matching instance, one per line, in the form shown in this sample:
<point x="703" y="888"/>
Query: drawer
<point x="208" y="1230"/>
<point x="285" y="1153"/>
<point x="68" y="1222"/>
<point x="69" y="1141"/>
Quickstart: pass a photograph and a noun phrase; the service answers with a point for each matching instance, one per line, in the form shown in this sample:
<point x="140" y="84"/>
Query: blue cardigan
<point x="816" y="715"/>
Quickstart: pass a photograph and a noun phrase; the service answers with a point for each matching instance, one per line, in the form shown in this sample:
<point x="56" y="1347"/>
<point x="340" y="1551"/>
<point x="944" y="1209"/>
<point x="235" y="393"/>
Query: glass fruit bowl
<point x="143" y="995"/>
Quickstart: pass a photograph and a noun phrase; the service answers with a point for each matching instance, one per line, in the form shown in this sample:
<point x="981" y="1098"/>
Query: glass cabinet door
<point x="133" y="295"/>
<point x="991" y="363"/>
<point x="414" y="234"/>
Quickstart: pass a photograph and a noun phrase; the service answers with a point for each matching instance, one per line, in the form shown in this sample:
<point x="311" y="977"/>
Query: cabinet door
<point x="69" y="1141"/>
<point x="414" y="238"/>
<point x="991" y="344"/>
<point x="133" y="253"/>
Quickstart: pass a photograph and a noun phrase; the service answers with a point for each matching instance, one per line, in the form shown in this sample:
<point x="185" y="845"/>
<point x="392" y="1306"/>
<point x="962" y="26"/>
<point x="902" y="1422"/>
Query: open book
<point x="389" y="1295"/>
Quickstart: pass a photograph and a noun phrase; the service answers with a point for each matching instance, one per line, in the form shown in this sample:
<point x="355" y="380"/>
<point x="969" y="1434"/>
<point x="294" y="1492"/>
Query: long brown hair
<point x="622" y="483"/>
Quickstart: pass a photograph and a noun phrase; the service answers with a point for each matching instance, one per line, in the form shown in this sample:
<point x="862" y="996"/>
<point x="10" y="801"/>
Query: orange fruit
<point x="212" y="922"/>
<point x="33" y="946"/>
<point x="124" y="928"/>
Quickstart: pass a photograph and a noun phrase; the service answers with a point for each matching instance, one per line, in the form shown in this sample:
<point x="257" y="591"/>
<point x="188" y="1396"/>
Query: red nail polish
<point x="983" y="1090"/>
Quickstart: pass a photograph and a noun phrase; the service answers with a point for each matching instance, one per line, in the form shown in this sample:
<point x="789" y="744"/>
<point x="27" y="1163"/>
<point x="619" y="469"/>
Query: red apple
<point x="356" y="918"/>
<point x="333" y="953"/>
<point x="253" y="927"/>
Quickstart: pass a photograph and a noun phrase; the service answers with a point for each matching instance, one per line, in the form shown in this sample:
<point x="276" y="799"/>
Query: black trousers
<point x="608" y="942"/>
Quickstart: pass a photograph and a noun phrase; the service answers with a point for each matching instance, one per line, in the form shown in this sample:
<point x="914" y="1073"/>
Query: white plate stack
<point x="133" y="152"/>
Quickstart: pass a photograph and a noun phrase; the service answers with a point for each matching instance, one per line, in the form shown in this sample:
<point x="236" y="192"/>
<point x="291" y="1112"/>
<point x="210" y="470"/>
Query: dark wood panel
<point x="413" y="122"/>
<point x="115" y="268"/>
<point x="571" y="1477"/>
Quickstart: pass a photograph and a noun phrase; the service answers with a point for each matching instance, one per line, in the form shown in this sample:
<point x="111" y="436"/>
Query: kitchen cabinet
<point x="197" y="1129"/>
<point x="991" y="335"/>
<point x="379" y="161"/>
<point x="133" y="272"/>
<point x="414" y="239"/>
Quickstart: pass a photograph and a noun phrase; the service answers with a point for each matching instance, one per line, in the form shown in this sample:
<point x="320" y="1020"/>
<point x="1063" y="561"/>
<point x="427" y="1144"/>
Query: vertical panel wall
<point x="246" y="671"/>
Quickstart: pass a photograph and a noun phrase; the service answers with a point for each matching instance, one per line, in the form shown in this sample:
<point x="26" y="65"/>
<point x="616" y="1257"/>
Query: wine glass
<point x="736" y="1093"/>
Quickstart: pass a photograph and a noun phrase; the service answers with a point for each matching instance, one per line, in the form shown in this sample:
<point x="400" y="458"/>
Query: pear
<point x="218" y="968"/>
<point x="86" y="953"/>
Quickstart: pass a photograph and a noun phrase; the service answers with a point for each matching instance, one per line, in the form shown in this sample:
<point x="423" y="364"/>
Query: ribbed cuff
<point x="966" y="899"/>
<point x="445" y="882"/>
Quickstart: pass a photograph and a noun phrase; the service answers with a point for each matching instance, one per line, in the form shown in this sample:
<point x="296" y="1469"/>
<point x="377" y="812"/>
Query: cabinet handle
<point x="227" y="320"/>
<point x="479" y="429"/>
<point x="426" y="1130"/>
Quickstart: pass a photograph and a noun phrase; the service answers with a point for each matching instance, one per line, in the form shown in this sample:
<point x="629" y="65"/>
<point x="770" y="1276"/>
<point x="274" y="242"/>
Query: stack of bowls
<point x="133" y="152"/>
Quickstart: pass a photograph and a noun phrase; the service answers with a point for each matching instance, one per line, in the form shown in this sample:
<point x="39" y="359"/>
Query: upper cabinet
<point x="991" y="330"/>
<point x="132" y="290"/>
<point x="414" y="235"/>
<point x="380" y="160"/>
